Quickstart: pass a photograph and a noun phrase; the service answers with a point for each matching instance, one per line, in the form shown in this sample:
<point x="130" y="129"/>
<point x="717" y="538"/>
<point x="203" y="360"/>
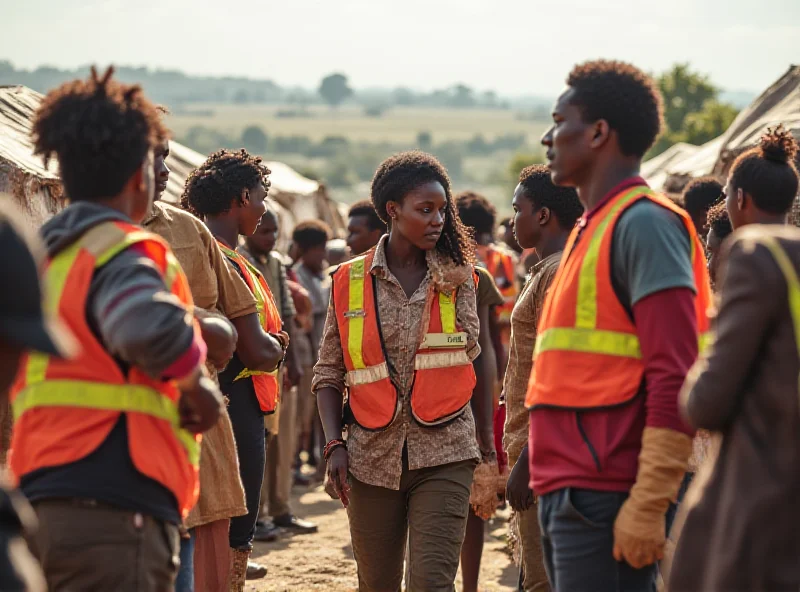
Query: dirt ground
<point x="324" y="561"/>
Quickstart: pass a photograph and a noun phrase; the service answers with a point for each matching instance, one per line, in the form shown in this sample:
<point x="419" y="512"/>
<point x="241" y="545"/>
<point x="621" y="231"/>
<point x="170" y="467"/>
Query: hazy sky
<point x="512" y="46"/>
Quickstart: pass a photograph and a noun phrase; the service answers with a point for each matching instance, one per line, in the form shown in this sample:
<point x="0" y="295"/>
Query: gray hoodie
<point x="129" y="307"/>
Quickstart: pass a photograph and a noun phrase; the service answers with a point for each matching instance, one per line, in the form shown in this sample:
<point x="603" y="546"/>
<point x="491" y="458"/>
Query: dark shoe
<point x="255" y="571"/>
<point x="265" y="532"/>
<point x="293" y="523"/>
<point x="301" y="480"/>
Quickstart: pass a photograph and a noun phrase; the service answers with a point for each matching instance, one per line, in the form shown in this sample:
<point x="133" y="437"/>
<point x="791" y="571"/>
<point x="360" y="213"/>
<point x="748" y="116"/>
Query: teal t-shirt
<point x="651" y="251"/>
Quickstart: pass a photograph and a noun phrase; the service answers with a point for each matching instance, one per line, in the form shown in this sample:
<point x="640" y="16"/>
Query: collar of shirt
<point x="537" y="267"/>
<point x="627" y="183"/>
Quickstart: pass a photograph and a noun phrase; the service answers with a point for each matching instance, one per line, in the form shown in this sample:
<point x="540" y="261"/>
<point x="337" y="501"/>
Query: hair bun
<point x="778" y="145"/>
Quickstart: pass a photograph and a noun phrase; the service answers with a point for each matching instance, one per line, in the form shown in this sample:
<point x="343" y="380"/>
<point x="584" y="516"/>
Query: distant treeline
<point x="175" y="88"/>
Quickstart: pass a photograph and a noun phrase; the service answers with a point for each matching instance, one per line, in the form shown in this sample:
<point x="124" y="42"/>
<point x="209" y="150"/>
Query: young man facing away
<point x="104" y="444"/>
<point x="619" y="331"/>
<point x="544" y="215"/>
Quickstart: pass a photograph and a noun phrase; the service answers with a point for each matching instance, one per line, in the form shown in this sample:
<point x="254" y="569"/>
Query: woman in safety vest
<point x="228" y="191"/>
<point x="741" y="527"/>
<point x="400" y="338"/>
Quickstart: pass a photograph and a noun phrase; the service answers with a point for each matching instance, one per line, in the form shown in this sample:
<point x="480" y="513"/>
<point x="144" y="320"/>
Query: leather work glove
<point x="639" y="530"/>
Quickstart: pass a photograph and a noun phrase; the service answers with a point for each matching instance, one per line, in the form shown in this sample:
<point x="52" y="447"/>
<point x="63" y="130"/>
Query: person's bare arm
<point x="220" y="336"/>
<point x="257" y="350"/>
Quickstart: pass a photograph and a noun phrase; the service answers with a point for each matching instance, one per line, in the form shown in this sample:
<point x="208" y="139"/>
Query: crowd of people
<point x="619" y="367"/>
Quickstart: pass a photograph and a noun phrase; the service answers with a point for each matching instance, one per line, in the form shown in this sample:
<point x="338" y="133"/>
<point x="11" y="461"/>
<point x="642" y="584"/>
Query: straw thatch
<point x="36" y="188"/>
<point x="39" y="192"/>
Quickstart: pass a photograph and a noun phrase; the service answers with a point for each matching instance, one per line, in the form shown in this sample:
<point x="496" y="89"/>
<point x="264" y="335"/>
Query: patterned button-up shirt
<point x="524" y="321"/>
<point x="376" y="457"/>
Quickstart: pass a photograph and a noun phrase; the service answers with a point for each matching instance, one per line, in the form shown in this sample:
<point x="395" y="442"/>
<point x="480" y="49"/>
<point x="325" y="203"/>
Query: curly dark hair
<point x="100" y="130"/>
<point x="624" y="96"/>
<point x="700" y="195"/>
<point x="311" y="233"/>
<point x="211" y="188"/>
<point x="767" y="172"/>
<point x="366" y="209"/>
<point x="476" y="211"/>
<point x="563" y="202"/>
<point x="718" y="220"/>
<point x="402" y="173"/>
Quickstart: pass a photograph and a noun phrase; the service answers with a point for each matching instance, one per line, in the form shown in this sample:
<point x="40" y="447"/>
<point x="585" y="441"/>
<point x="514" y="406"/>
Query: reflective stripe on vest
<point x="440" y="358"/>
<point x="41" y="392"/>
<point x="584" y="337"/>
<point x="270" y="320"/>
<point x="361" y="374"/>
<point x="793" y="284"/>
<point x="109" y="397"/>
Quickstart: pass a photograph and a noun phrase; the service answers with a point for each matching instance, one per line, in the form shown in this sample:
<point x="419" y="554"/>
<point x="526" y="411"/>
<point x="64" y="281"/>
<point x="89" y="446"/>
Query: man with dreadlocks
<point x="104" y="444"/>
<point x="402" y="323"/>
<point x="618" y="332"/>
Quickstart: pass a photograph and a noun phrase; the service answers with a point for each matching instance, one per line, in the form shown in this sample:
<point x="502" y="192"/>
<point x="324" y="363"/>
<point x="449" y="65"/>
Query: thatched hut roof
<point x="39" y="191"/>
<point x="36" y="188"/>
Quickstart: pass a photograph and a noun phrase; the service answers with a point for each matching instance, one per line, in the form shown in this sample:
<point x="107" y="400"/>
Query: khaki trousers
<point x="279" y="474"/>
<point x="86" y="548"/>
<point x="430" y="508"/>
<point x="531" y="558"/>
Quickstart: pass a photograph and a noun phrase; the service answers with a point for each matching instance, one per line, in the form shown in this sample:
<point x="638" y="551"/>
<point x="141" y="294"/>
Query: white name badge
<point x="444" y="340"/>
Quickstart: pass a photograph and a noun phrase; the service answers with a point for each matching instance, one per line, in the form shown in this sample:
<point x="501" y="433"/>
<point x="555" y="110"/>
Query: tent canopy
<point x="35" y="187"/>
<point x="779" y="104"/>
<point x="39" y="192"/>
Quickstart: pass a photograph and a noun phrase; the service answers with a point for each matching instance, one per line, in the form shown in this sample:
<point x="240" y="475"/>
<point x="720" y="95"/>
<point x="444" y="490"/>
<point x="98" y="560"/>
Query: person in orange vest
<point x="364" y="227"/>
<point x="228" y="191"/>
<point x="104" y="444"/>
<point x="621" y="326"/>
<point x="402" y="324"/>
<point x="740" y="529"/>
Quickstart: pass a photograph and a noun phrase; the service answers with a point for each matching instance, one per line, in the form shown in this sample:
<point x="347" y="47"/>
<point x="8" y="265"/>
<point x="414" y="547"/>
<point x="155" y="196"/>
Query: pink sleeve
<point x="667" y="327"/>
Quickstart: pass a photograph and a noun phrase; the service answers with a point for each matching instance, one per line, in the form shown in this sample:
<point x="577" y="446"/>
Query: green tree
<point x="462" y="96"/>
<point x="254" y="139"/>
<point x="707" y="124"/>
<point x="425" y="141"/>
<point x="692" y="112"/>
<point x="519" y="162"/>
<point x="334" y="89"/>
<point x="684" y="92"/>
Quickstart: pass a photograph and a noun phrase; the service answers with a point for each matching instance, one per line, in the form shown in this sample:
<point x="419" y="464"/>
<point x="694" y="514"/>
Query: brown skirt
<point x="212" y="557"/>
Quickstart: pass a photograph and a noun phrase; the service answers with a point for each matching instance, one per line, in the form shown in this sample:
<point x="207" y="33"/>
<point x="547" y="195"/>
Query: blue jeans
<point x="578" y="542"/>
<point x="185" y="580"/>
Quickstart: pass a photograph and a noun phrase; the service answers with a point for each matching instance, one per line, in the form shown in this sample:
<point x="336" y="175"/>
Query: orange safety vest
<point x="64" y="409"/>
<point x="501" y="266"/>
<point x="444" y="377"/>
<point x="265" y="383"/>
<point x="587" y="352"/>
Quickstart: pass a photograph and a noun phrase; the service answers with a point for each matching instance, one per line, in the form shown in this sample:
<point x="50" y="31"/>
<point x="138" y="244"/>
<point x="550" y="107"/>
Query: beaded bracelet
<point x="331" y="446"/>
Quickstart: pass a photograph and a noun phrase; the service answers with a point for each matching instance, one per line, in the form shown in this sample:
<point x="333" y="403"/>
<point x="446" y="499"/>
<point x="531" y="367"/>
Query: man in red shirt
<point x="607" y="446"/>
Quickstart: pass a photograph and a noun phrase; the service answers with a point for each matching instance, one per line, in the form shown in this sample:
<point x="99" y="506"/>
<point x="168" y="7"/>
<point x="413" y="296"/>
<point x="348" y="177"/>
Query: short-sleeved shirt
<point x="599" y="449"/>
<point x="214" y="287"/>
